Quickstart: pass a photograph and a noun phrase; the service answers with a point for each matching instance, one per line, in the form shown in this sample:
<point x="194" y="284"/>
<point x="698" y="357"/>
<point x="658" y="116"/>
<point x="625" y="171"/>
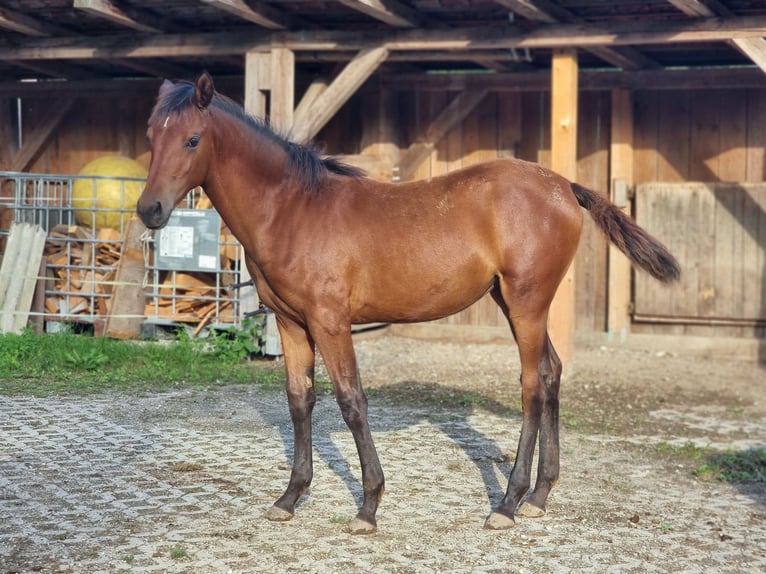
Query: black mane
<point x="304" y="160"/>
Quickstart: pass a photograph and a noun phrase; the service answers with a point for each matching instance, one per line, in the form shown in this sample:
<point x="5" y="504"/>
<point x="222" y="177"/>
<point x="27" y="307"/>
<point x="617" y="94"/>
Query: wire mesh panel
<point x="85" y="232"/>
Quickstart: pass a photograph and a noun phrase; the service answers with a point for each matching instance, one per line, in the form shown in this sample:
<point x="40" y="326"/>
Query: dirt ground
<point x="180" y="481"/>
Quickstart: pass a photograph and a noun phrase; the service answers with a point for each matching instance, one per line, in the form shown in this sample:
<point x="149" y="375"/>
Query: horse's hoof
<point x="276" y="514"/>
<point x="529" y="510"/>
<point x="499" y="521"/>
<point x="360" y="526"/>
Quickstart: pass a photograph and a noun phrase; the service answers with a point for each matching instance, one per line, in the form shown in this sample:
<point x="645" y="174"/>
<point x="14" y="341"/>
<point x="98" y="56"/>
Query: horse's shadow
<point x="451" y="419"/>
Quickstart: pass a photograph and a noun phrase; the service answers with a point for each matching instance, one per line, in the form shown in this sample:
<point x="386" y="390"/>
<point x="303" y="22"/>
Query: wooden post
<point x="282" y="89"/>
<point x="621" y="168"/>
<point x="257" y="83"/>
<point x="564" y="161"/>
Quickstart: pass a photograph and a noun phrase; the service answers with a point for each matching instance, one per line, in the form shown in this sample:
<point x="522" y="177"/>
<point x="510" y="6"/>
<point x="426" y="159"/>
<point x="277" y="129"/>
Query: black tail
<point x="640" y="247"/>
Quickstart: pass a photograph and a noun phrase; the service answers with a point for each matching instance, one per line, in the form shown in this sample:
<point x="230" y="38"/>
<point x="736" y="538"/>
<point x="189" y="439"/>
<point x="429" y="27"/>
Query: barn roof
<point x="121" y="39"/>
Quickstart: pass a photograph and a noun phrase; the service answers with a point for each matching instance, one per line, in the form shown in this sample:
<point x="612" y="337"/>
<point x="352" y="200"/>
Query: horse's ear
<point x="203" y="90"/>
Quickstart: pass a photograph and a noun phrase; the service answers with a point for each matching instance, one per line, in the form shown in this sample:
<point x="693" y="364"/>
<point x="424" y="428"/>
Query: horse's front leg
<point x="338" y="353"/>
<point x="299" y="363"/>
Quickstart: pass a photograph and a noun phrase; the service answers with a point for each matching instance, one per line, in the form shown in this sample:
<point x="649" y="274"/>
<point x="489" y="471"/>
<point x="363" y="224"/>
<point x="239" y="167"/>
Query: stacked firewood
<point x="82" y="268"/>
<point x="81" y="271"/>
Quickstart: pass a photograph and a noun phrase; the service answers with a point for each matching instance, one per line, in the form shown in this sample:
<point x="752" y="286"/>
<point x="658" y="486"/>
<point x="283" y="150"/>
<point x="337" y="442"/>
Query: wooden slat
<point x="18" y="275"/>
<point x="716" y="232"/>
<point x="126" y="312"/>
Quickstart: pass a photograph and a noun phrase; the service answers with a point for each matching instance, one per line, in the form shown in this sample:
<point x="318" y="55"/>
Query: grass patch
<point x="735" y="466"/>
<point x="68" y="363"/>
<point x="732" y="466"/>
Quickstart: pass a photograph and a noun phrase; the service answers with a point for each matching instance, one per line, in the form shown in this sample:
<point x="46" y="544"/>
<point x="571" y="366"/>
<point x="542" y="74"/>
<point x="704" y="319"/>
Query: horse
<point x="329" y="247"/>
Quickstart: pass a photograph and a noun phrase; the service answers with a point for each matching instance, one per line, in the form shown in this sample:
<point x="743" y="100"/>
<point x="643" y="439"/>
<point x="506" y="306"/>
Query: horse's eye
<point x="193" y="142"/>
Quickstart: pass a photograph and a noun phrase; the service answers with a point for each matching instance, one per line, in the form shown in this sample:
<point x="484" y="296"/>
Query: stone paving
<point x="179" y="482"/>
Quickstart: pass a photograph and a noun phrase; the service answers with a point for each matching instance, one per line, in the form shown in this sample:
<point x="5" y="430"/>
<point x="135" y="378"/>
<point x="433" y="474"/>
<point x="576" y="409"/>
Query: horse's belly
<point x="414" y="302"/>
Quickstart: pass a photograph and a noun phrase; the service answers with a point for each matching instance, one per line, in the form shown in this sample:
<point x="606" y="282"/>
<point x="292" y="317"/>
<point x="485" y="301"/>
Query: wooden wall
<point x="708" y="136"/>
<point x="705" y="135"/>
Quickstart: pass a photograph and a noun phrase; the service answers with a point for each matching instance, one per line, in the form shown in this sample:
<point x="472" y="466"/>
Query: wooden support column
<point x="257" y="84"/>
<point x="564" y="161"/>
<point x="269" y="93"/>
<point x="282" y="89"/>
<point x="621" y="168"/>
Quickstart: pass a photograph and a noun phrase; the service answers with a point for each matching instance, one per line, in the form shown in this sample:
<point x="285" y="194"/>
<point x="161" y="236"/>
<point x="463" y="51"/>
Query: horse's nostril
<point x="157" y="209"/>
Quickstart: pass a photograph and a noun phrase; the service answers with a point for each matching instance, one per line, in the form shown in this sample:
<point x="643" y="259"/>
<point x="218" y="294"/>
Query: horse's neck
<point x="245" y="179"/>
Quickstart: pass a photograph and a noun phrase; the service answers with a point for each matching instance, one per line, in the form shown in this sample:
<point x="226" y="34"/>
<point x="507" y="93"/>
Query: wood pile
<point x="191" y="298"/>
<point x="82" y="267"/>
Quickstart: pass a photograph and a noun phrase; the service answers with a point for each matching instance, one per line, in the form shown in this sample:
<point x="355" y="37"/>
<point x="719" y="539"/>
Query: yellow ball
<point x="109" y="199"/>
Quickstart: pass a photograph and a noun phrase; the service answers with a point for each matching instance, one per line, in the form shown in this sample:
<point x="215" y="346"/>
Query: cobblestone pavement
<point x="180" y="481"/>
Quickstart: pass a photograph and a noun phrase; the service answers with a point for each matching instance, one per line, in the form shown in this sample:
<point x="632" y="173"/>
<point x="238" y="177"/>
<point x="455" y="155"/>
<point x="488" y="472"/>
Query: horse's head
<point x="180" y="146"/>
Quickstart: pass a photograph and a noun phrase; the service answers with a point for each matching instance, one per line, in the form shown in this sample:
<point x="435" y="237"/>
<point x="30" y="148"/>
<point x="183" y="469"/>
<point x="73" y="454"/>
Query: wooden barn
<point x="661" y="104"/>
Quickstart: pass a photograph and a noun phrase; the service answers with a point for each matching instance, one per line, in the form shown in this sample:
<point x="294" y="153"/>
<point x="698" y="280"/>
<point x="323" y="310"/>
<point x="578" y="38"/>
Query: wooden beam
<point x="717" y="79"/>
<point x="699" y="8"/>
<point x="621" y="170"/>
<point x="551" y="13"/>
<point x="391" y="12"/>
<point x="257" y="82"/>
<point x="109" y="11"/>
<point x="459" y="39"/>
<point x="23" y="24"/>
<point x="306" y="126"/>
<point x="282" y="89"/>
<point x="257" y="12"/>
<point x="753" y="48"/>
<point x="40" y="137"/>
<point x="460" y="106"/>
<point x="153" y="68"/>
<point x="720" y="78"/>
<point x="537" y="11"/>
<point x="564" y="93"/>
<point x="55" y="69"/>
<point x="315" y="89"/>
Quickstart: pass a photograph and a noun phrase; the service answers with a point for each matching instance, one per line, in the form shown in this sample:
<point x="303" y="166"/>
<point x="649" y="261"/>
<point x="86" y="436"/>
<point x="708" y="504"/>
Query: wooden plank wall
<point x="716" y="230"/>
<point x="95" y="127"/>
<point x="706" y="136"/>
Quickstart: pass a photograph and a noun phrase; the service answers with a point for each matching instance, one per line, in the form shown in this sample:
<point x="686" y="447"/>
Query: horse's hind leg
<point x="299" y="364"/>
<point x="540" y="371"/>
<point x="548" y="464"/>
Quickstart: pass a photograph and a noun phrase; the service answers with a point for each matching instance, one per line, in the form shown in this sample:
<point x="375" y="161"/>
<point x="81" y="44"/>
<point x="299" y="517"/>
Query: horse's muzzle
<point x="152" y="215"/>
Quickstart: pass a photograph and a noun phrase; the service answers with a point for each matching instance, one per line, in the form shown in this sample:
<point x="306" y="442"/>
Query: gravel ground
<point x="180" y="481"/>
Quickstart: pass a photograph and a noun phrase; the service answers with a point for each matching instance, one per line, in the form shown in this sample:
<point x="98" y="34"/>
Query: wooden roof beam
<point x="391" y="12"/>
<point x="551" y="13"/>
<point x="23" y="24"/>
<point x="452" y="39"/>
<point x="753" y="48"/>
<point x="257" y="12"/>
<point x="110" y="11"/>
